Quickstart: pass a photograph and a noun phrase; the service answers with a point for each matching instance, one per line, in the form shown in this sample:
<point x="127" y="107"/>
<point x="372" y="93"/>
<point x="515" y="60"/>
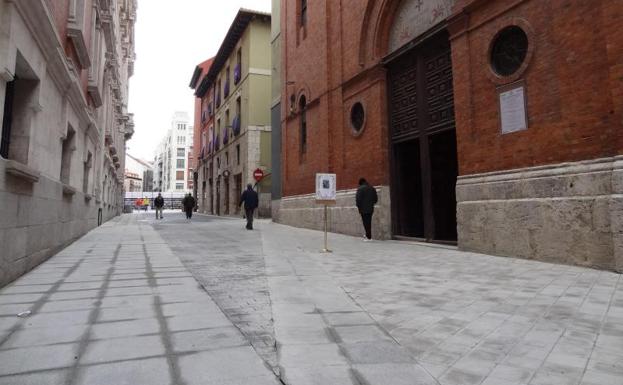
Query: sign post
<point x="325" y="195"/>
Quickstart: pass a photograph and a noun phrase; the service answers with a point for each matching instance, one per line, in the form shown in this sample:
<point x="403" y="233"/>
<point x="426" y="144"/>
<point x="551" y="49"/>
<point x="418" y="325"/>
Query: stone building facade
<point x="490" y="124"/>
<point x="64" y="70"/>
<point x="234" y="97"/>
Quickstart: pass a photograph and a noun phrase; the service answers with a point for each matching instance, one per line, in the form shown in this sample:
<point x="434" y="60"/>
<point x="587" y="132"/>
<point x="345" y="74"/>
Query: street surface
<point x="140" y="301"/>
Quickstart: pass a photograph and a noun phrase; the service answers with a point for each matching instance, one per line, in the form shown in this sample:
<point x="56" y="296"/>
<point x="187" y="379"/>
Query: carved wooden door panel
<point x="421" y="105"/>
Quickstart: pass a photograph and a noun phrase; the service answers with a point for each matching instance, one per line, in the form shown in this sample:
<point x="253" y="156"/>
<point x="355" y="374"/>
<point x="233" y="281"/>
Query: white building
<point x="172" y="169"/>
<point x="138" y="167"/>
<point x="63" y="106"/>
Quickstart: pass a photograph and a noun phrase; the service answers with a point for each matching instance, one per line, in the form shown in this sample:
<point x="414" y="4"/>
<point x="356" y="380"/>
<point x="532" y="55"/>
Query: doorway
<point x="423" y="142"/>
<point x="227" y="196"/>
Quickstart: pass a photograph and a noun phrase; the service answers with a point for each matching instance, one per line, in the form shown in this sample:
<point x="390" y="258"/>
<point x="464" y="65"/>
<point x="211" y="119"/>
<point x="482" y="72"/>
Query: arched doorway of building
<point x="423" y="141"/>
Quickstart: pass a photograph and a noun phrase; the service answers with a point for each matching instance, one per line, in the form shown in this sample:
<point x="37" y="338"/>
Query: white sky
<point x="172" y="37"/>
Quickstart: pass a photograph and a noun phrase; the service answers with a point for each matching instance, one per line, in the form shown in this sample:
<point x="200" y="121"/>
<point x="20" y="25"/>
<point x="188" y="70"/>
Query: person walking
<point x="159" y="204"/>
<point x="189" y="205"/>
<point x="250" y="200"/>
<point x="365" y="199"/>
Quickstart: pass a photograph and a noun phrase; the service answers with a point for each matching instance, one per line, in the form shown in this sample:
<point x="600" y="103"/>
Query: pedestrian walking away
<point x="159" y="205"/>
<point x="189" y="205"/>
<point x="365" y="199"/>
<point x="250" y="200"/>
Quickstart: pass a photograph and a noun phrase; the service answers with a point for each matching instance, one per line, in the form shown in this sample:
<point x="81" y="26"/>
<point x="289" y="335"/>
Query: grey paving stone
<point x="314" y="375"/>
<point x="393" y="374"/>
<point x="378" y="352"/>
<point x="123" y="349"/>
<point x="44" y="336"/>
<point x="207" y="339"/>
<point x="152" y="371"/>
<point x="48" y="377"/>
<point x="129" y="328"/>
<point x="321" y="355"/>
<point x="361" y="333"/>
<point x="234" y="365"/>
<point x="125" y="313"/>
<point x="194" y="322"/>
<point x="23" y="360"/>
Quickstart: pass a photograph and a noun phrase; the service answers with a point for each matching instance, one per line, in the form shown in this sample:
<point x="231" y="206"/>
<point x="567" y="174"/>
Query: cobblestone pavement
<point x="117" y="307"/>
<point x="229" y="263"/>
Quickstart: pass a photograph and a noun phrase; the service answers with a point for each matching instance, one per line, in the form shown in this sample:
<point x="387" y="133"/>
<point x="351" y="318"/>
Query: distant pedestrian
<point x="250" y="200"/>
<point x="366" y="199"/>
<point x="189" y="205"/>
<point x="159" y="204"/>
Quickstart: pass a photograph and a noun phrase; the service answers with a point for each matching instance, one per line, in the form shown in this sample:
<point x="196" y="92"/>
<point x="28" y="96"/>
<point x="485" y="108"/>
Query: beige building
<point x="235" y="96"/>
<point x="63" y="87"/>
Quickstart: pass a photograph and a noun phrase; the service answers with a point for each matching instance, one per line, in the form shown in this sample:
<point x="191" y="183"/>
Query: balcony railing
<point x="236" y="125"/>
<point x="237" y="73"/>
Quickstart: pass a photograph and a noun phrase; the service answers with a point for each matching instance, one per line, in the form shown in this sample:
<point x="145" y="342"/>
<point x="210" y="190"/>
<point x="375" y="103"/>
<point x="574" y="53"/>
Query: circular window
<point x="357" y="116"/>
<point x="509" y="50"/>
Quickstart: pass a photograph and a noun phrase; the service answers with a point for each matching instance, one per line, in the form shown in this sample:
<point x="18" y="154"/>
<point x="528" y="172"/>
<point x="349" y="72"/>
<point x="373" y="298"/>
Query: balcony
<point x="237" y="73"/>
<point x="236" y="125"/>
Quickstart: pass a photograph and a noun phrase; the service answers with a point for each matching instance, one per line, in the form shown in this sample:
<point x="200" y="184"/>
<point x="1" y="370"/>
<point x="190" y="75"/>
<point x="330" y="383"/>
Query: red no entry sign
<point x="258" y="174"/>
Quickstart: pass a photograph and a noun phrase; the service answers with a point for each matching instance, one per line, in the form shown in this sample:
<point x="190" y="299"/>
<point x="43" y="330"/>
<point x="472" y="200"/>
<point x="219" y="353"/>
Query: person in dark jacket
<point x="159" y="204"/>
<point x="250" y="200"/>
<point x="189" y="204"/>
<point x="366" y="198"/>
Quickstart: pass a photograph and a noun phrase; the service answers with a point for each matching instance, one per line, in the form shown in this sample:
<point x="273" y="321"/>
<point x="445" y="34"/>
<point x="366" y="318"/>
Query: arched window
<point x="303" y="130"/>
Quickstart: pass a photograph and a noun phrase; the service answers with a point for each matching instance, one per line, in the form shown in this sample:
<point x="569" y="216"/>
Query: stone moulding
<point x="564" y="213"/>
<point x="68" y="190"/>
<point x="22" y="171"/>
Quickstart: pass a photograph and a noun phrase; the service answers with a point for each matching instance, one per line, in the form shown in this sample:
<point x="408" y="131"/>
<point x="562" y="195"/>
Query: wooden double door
<point x="423" y="142"/>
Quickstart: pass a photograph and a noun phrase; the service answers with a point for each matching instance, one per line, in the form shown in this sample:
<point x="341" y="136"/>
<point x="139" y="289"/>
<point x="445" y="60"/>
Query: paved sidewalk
<point x="124" y="305"/>
<point x="117" y="307"/>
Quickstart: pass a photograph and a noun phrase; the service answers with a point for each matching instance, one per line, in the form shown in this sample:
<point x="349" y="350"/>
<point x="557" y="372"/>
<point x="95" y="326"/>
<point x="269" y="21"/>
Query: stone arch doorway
<point x="423" y="151"/>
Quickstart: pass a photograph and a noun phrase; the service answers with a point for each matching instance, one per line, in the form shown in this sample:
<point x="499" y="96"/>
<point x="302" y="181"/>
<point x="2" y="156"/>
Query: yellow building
<point x="235" y="98"/>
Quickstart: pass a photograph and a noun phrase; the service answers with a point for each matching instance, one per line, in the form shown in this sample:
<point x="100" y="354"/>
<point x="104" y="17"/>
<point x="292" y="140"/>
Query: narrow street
<point x="140" y="301"/>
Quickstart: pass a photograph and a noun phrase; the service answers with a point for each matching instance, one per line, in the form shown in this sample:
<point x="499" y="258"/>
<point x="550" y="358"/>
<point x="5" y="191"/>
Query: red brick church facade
<point x="493" y="124"/>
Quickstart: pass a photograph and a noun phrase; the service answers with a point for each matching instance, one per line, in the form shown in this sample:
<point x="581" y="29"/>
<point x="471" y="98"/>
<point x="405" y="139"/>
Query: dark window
<point x="509" y="50"/>
<point x="303" y="13"/>
<point x="303" y="109"/>
<point x="7" y="119"/>
<point x="180" y="163"/>
<point x="238" y="154"/>
<point x="179" y="175"/>
<point x="180" y="152"/>
<point x="67" y="152"/>
<point x="357" y="116"/>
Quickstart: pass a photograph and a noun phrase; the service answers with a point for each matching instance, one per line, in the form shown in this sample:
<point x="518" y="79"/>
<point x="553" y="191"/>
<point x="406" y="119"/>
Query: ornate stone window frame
<point x="498" y="28"/>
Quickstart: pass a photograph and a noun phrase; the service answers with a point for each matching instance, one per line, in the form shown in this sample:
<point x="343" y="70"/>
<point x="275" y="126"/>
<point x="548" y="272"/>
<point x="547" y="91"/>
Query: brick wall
<point x="572" y="85"/>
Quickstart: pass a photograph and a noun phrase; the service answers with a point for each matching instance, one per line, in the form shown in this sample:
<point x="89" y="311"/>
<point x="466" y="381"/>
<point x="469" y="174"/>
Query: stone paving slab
<point x="118" y="307"/>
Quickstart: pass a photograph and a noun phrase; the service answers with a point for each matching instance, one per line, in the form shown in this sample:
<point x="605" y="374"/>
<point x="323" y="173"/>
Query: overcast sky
<point x="172" y="37"/>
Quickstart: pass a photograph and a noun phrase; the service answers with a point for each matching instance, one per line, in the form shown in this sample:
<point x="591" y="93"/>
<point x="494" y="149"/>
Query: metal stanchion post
<point x="326" y="246"/>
